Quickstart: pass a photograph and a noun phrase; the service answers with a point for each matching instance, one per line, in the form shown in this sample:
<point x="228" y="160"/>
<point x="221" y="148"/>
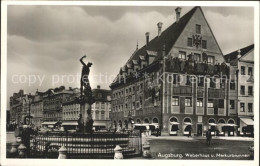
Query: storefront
<point x="173" y="126"/>
<point x="229" y="128"/>
<point x="246" y="127"/>
<point x="221" y="123"/>
<point x="99" y="125"/>
<point x="49" y="124"/>
<point x="69" y="125"/>
<point x="212" y="126"/>
<point x="187" y="126"/>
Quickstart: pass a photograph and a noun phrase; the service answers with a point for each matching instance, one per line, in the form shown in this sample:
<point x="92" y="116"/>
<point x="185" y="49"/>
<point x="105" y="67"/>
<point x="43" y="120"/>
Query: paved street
<point x="231" y="148"/>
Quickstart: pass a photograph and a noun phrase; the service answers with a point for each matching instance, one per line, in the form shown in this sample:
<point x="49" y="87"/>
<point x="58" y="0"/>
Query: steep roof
<point x="233" y="55"/>
<point x="168" y="37"/>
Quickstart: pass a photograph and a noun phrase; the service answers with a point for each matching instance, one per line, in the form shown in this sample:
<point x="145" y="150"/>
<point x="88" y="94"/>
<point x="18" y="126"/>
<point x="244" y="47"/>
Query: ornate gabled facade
<point x="179" y="79"/>
<point x="242" y="87"/>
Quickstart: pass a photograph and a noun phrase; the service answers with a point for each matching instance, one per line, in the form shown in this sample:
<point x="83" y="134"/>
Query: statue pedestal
<point x="86" y="121"/>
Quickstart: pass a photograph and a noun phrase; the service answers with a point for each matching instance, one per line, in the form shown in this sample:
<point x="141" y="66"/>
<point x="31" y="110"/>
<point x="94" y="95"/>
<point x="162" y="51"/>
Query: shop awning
<point x="174" y="123"/>
<point x="212" y="124"/>
<point x="72" y="123"/>
<point x="230" y="125"/>
<point x="49" y="123"/>
<point x="247" y="121"/>
<point x="99" y="123"/>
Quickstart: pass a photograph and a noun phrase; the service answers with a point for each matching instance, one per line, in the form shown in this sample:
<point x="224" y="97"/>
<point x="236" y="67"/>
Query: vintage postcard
<point x="150" y="82"/>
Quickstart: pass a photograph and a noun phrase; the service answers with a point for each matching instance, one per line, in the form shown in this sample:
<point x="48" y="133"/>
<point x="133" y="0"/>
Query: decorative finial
<point x="137" y="45"/>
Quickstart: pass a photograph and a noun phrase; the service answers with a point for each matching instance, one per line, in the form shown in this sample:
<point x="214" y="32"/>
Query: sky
<point x="45" y="43"/>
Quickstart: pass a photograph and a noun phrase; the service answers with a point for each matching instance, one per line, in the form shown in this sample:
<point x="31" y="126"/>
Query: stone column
<point x="85" y="110"/>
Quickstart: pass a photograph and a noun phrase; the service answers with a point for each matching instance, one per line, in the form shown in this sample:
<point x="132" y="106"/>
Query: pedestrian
<point x="208" y="135"/>
<point x="157" y="131"/>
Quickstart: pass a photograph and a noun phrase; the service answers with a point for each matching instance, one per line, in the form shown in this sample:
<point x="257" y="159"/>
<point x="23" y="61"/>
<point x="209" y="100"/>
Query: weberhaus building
<point x="179" y="79"/>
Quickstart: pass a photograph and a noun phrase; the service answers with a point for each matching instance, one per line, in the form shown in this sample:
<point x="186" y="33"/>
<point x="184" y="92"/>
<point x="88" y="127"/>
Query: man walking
<point x="208" y="135"/>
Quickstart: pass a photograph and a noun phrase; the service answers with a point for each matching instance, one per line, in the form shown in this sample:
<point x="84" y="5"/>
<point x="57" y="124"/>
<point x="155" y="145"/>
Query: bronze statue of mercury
<point x="84" y="81"/>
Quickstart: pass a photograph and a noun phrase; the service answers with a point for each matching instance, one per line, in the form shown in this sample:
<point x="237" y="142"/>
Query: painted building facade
<point x="179" y="80"/>
<point x="242" y="84"/>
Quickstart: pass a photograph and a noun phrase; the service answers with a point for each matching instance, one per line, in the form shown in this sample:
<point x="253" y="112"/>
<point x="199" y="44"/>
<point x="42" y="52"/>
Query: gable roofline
<point x="232" y="56"/>
<point x="212" y="32"/>
<point x="168" y="38"/>
<point x="243" y="56"/>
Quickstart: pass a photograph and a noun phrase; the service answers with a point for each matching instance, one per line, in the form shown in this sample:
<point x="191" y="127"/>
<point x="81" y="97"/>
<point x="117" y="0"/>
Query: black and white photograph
<point x="130" y="81"/>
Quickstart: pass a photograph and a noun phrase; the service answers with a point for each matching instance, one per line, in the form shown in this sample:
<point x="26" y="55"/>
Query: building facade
<point x="242" y="84"/>
<point x="37" y="109"/>
<point x="179" y="80"/>
<point x="52" y="103"/>
<point x="16" y="107"/>
<point x="101" y="109"/>
<point x="20" y="108"/>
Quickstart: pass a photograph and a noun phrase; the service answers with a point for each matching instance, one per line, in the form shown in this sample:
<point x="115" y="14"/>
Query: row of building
<point x="182" y="81"/>
<point x="58" y="106"/>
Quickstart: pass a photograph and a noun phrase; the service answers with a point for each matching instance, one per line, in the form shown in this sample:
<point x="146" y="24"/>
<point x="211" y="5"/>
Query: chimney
<point x="239" y="54"/>
<point x="98" y="87"/>
<point x="147" y="37"/>
<point x="178" y="13"/>
<point x="159" y="25"/>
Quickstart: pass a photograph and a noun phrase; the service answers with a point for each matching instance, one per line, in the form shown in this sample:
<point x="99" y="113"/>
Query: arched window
<point x="155" y="120"/>
<point x="173" y="119"/>
<point x="211" y="120"/>
<point x="120" y="123"/>
<point x="187" y="120"/>
<point x="138" y="121"/>
<point x="231" y="121"/>
<point x="146" y="120"/>
<point x="221" y="121"/>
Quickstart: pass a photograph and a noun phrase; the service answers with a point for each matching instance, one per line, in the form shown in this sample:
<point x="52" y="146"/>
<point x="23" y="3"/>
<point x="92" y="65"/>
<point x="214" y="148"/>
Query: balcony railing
<point x="176" y="65"/>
